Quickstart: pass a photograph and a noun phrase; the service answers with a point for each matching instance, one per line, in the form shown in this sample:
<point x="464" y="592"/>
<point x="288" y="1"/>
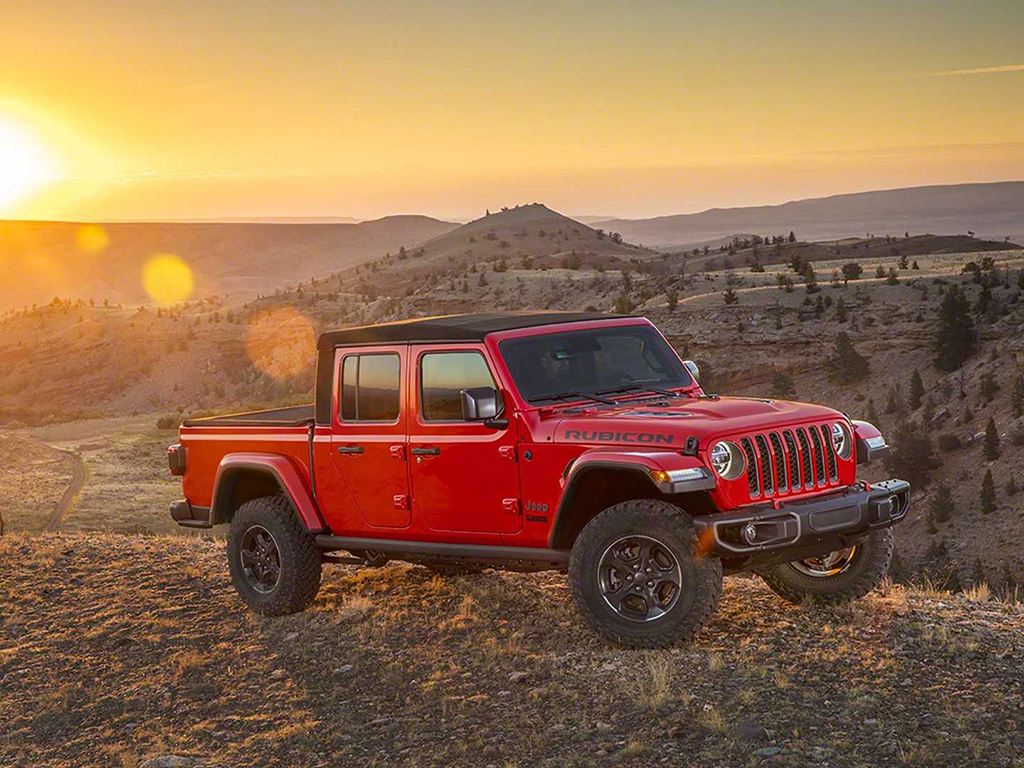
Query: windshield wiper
<point x="635" y="387"/>
<point x="578" y="395"/>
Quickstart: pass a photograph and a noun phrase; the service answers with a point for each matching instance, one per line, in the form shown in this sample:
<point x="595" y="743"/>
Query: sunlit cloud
<point x="167" y="279"/>
<point x="280" y="341"/>
<point x="979" y="71"/>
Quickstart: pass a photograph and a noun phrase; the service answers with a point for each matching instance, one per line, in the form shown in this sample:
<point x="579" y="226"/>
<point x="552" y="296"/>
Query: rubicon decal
<point x="618" y="437"/>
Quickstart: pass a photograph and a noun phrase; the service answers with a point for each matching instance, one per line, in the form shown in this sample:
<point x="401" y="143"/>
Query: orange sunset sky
<point x="144" y="110"/>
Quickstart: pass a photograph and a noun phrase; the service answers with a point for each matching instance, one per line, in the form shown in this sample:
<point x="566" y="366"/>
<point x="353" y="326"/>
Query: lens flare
<point x="92" y="238"/>
<point x="280" y="342"/>
<point x="167" y="279"/>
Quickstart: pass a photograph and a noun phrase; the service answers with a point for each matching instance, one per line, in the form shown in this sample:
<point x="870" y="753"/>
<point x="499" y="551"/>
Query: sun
<point x="25" y="165"/>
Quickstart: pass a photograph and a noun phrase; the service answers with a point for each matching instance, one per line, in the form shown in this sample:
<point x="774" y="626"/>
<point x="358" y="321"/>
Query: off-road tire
<point x="869" y="566"/>
<point x="300" y="561"/>
<point x="702" y="577"/>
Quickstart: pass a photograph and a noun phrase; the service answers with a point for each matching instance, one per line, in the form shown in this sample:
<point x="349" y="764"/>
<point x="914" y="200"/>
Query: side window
<point x="443" y="375"/>
<point x="370" y="387"/>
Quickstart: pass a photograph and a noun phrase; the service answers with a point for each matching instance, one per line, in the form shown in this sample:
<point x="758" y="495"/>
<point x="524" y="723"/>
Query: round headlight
<point x="727" y="460"/>
<point x="841" y="440"/>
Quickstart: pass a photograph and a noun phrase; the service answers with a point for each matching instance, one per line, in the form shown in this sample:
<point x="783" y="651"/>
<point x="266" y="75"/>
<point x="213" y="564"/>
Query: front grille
<point x="790" y="461"/>
<point x="753" y="481"/>
<point x="806" y="461"/>
<point x="830" y="453"/>
<point x="767" y="476"/>
<point x="780" y="462"/>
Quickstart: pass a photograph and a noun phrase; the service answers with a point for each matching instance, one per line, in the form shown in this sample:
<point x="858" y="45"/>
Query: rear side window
<point x="370" y="387"/>
<point x="443" y="376"/>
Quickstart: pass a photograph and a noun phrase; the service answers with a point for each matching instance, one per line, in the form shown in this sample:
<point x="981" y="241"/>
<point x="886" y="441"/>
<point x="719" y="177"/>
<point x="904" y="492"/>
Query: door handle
<point x="432" y="451"/>
<point x="350" y="449"/>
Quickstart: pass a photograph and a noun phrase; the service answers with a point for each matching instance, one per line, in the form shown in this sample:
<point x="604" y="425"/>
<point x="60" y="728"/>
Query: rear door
<point x="368" y="433"/>
<point x="464" y="475"/>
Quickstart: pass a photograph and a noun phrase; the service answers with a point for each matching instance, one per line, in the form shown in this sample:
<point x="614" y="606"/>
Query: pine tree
<point x="1017" y="398"/>
<point x="912" y="456"/>
<point x="873" y="417"/>
<point x="782" y="386"/>
<point x="991" y="440"/>
<point x="840" y="311"/>
<point x="810" y="278"/>
<point x="977" y="573"/>
<point x="1011" y="486"/>
<point x="988" y="494"/>
<point x="955" y="339"/>
<point x="928" y="414"/>
<point x="846" y="365"/>
<point x="989" y="386"/>
<point x="916" y="390"/>
<point x="941" y="505"/>
<point x="671" y="299"/>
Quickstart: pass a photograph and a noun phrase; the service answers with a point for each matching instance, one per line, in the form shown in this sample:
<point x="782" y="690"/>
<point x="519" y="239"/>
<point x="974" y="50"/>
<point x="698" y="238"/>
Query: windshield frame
<point x="686" y="385"/>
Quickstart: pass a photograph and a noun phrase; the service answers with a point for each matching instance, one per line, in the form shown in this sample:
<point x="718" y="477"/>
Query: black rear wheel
<point x="274" y="563"/>
<point x="637" y="578"/>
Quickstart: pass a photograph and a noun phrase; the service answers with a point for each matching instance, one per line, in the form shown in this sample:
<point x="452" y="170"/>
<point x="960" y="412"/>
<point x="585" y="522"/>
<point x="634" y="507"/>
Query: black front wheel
<point x="274" y="563"/>
<point x="637" y="578"/>
<point x="837" y="577"/>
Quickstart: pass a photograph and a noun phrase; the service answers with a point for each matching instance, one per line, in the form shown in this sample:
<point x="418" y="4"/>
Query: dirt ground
<point x="115" y="649"/>
<point x="127" y="486"/>
<point x="33" y="477"/>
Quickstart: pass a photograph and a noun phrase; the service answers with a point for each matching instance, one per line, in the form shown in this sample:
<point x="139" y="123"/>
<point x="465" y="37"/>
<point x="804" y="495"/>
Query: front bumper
<point x="768" y="534"/>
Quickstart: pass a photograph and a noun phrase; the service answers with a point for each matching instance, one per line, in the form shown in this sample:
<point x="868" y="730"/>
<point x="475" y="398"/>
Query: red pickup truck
<point x="541" y="441"/>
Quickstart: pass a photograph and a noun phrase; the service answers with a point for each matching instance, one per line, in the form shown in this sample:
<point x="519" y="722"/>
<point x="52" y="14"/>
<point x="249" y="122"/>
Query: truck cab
<point x="526" y="441"/>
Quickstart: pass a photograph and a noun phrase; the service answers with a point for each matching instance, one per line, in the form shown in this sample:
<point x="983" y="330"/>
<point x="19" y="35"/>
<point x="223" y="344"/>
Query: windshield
<point x="560" y="366"/>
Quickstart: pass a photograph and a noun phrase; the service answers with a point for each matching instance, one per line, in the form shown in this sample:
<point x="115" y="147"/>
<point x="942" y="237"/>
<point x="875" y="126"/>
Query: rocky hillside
<point x="134" y="651"/>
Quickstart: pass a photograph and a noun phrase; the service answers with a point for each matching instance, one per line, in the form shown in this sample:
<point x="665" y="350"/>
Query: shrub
<point x="949" y="442"/>
<point x="168" y="422"/>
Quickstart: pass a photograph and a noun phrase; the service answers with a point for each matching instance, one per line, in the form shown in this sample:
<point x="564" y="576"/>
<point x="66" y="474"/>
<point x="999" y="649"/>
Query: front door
<point x="464" y="474"/>
<point x="368" y="435"/>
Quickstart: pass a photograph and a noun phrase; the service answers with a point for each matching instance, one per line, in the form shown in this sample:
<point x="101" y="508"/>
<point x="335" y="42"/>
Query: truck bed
<point x="293" y="416"/>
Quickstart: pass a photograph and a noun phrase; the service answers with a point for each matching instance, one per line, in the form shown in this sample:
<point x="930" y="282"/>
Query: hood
<point x="665" y="423"/>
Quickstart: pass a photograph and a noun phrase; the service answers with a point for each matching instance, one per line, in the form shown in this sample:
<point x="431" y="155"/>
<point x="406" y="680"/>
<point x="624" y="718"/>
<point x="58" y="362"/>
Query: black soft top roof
<point x="452" y="327"/>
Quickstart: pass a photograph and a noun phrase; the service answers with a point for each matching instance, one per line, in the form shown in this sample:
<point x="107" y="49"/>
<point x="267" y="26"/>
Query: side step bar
<point x="477" y="553"/>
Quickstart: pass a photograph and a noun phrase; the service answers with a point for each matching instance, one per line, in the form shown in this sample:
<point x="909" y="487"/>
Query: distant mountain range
<point x="41" y="259"/>
<point x="994" y="211"/>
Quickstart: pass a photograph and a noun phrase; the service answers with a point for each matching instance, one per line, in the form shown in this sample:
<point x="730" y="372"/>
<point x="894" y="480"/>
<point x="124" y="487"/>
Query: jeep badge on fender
<point x="541" y="441"/>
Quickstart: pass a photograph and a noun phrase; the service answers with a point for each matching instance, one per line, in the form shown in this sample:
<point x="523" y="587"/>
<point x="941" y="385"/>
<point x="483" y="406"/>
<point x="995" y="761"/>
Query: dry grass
<point x="114" y="649"/>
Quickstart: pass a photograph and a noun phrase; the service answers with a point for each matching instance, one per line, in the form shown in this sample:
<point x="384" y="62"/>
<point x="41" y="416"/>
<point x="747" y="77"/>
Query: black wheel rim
<point x="261" y="559"/>
<point x="640" y="578"/>
<point x="831" y="564"/>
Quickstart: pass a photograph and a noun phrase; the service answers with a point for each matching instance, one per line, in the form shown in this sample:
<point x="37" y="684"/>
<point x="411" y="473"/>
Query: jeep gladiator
<point x="577" y="442"/>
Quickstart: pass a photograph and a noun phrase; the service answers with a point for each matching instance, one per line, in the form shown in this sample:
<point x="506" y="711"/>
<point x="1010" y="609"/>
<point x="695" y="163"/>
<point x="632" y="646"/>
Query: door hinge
<point x="401" y="501"/>
<point x="508" y="452"/>
<point x="510" y="506"/>
<point x="398" y="452"/>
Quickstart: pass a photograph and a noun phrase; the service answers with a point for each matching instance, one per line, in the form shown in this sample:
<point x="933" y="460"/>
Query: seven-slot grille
<point x="790" y="460"/>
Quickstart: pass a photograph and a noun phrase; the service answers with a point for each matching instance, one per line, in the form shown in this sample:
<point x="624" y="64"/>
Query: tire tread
<point x="297" y="546"/>
<point x="709" y="573"/>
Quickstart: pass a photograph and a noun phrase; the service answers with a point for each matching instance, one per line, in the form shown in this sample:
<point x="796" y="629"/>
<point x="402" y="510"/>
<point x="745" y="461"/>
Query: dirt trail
<point x="77" y="481"/>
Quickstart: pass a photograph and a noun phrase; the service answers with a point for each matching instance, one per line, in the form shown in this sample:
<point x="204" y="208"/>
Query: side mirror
<point x="693" y="369"/>
<point x="481" y="404"/>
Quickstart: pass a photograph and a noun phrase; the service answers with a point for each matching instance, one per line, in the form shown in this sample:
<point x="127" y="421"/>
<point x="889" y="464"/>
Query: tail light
<point x="176" y="459"/>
